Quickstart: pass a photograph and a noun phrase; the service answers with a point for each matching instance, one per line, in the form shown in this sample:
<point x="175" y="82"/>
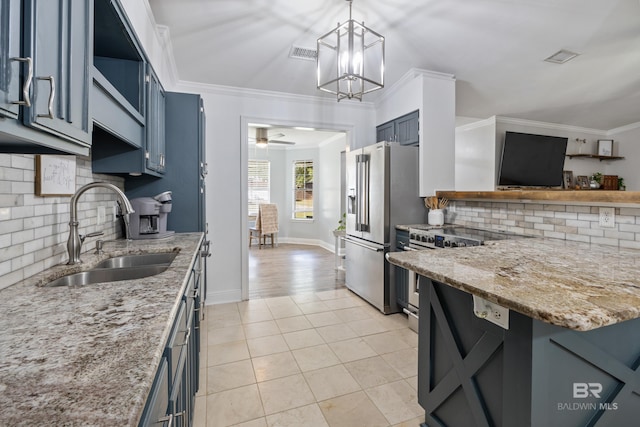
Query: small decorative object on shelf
<point x="567" y="180"/>
<point x="583" y="182"/>
<point x="610" y="182"/>
<point x="621" y="184"/>
<point x="580" y="142"/>
<point x="605" y="147"/>
<point x="595" y="181"/>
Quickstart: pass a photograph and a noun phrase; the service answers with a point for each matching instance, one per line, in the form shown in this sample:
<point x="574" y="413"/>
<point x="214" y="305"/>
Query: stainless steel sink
<point x="124" y="261"/>
<point x="126" y="267"/>
<point x="101" y="275"/>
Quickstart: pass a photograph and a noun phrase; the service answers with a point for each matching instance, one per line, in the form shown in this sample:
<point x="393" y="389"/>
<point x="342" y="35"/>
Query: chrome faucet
<point x="74" y="243"/>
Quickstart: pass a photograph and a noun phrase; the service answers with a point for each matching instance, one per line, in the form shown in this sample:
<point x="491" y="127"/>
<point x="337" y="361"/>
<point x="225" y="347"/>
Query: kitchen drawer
<point x="176" y="341"/>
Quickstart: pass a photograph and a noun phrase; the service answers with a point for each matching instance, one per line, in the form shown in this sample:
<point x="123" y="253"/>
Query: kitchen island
<point x="570" y="355"/>
<point x="88" y="355"/>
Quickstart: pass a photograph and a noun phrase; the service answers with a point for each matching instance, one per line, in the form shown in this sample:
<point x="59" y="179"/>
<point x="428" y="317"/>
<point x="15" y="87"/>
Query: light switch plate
<point x="607" y="217"/>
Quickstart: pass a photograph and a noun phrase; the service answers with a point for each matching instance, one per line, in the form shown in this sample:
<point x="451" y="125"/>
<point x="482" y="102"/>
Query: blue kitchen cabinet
<point x="186" y="166"/>
<point x="128" y="115"/>
<point x="10" y="61"/>
<point x="405" y="130"/>
<point x="385" y="132"/>
<point x="157" y="411"/>
<point x="172" y="397"/>
<point x="155" y="153"/>
<point x="53" y="42"/>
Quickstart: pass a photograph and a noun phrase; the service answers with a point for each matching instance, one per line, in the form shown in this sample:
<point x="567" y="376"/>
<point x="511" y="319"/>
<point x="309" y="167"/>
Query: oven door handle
<point x="410" y="313"/>
<point x="371" y="248"/>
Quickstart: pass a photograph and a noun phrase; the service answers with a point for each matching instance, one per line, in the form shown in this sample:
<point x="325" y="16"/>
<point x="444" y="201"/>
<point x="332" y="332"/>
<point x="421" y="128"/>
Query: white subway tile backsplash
<point x="632" y="228"/>
<point x="578" y="223"/>
<point x="34" y="229"/>
<point x="22" y="162"/>
<point x="21" y="236"/>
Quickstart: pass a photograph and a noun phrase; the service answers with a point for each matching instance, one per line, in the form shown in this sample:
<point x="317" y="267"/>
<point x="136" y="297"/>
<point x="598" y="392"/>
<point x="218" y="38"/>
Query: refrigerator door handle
<point x="358" y="192"/>
<point x="371" y="248"/>
<point x="362" y="178"/>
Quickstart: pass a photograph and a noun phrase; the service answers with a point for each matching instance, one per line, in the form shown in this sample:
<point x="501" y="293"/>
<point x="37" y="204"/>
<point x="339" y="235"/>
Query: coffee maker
<point x="149" y="221"/>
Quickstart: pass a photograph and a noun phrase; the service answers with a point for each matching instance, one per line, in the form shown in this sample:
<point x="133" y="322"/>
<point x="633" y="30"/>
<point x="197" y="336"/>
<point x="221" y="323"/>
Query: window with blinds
<point x="303" y="189"/>
<point x="258" y="184"/>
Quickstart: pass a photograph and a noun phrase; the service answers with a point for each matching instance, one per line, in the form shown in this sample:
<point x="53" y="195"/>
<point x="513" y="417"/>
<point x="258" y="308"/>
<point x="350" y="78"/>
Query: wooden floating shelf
<point x="582" y="196"/>
<point x="594" y="156"/>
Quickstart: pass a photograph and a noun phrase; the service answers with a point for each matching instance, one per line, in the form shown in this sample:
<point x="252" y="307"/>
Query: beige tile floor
<point x="317" y="359"/>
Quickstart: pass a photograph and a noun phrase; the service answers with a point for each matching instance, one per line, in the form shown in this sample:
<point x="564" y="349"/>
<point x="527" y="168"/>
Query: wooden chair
<point x="266" y="225"/>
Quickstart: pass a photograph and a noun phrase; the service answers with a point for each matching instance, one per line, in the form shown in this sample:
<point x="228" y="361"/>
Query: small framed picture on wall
<point x="605" y="147"/>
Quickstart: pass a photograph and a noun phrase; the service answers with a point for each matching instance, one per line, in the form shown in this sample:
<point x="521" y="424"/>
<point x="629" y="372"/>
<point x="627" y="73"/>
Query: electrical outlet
<point x="102" y="215"/>
<point x="607" y="217"/>
<point x="491" y="312"/>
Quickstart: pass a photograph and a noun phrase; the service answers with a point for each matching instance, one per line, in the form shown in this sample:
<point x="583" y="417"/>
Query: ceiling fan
<point x="262" y="138"/>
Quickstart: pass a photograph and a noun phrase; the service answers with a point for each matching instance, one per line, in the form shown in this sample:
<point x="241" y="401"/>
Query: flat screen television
<point x="532" y="160"/>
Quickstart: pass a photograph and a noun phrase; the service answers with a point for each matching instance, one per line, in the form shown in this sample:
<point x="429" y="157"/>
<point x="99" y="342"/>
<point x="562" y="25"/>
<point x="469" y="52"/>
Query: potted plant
<point x="341" y="230"/>
<point x="595" y="180"/>
<point x="621" y="184"/>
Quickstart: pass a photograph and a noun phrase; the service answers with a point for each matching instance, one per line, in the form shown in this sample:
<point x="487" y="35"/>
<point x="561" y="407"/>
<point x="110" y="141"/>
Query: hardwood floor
<point x="291" y="269"/>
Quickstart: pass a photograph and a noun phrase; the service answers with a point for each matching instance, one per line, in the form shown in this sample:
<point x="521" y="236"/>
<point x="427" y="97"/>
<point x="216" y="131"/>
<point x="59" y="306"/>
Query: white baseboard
<point x="223" y="297"/>
<point x="312" y="242"/>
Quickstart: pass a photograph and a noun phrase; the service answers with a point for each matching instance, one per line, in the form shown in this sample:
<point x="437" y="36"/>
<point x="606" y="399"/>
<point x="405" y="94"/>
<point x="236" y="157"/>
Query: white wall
<point x="627" y="144"/>
<point x="475" y="156"/>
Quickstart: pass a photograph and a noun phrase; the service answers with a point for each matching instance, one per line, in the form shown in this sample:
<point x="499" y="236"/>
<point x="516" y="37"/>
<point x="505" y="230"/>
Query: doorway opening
<point x="300" y="171"/>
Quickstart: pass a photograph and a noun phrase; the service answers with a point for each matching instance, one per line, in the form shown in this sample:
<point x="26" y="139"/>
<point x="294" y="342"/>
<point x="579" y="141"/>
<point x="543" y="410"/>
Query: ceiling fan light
<point x="262" y="137"/>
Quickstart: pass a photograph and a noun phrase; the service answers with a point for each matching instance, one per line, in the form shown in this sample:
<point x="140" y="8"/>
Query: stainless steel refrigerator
<point x="382" y="192"/>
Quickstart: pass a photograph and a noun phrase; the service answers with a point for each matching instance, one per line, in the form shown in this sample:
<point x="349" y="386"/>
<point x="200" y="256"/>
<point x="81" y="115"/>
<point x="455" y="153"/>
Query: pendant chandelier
<point x="350" y="60"/>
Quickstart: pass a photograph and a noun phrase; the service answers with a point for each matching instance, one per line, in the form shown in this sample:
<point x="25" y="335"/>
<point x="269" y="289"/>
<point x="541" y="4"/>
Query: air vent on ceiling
<point x="305" y="53"/>
<point x="561" y="56"/>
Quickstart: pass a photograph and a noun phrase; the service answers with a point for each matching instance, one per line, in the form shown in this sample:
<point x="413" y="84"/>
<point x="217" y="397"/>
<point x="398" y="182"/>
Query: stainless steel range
<point x="453" y="237"/>
<point x="442" y="238"/>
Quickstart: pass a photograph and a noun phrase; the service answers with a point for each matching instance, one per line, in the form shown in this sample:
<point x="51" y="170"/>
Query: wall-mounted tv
<point x="532" y="160"/>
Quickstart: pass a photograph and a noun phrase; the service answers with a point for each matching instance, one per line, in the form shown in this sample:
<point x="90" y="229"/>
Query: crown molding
<point x="479" y="124"/>
<point x="409" y="76"/>
<point x="625" y="128"/>
<point x="546" y="125"/>
<point x="267" y="94"/>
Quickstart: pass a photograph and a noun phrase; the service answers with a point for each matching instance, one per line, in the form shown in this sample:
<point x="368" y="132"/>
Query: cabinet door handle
<point x="52" y="95"/>
<point x="27" y="82"/>
<point x="186" y="337"/>
<point x="167" y="418"/>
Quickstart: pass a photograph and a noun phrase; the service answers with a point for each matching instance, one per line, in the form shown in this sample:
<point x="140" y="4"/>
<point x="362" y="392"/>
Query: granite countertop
<point x="573" y="285"/>
<point x="88" y="355"/>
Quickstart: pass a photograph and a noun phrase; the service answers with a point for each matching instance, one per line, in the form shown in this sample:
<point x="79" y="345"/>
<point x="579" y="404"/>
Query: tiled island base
<point x="471" y="372"/>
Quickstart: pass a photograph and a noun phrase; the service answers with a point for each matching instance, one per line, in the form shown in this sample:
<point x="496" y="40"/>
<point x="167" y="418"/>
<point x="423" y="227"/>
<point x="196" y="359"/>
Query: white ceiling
<point x="495" y="48"/>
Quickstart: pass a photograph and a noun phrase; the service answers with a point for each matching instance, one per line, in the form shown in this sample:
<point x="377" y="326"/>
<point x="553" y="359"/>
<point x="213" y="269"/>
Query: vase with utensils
<point x="436" y="207"/>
